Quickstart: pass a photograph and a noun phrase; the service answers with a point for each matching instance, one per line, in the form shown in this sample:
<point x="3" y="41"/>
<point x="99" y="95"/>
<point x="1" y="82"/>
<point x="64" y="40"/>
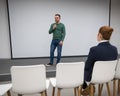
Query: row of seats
<point x="32" y="79"/>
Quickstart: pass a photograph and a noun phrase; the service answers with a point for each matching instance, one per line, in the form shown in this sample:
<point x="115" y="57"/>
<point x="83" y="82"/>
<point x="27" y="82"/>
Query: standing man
<point x="58" y="31"/>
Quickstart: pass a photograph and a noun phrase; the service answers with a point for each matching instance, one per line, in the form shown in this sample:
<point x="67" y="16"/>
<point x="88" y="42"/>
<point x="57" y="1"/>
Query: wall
<point x="4" y="31"/>
<point x="115" y="22"/>
<point x="30" y="22"/>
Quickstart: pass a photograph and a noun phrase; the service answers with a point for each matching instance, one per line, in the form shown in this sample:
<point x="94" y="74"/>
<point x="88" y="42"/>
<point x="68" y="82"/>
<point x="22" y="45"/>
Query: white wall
<point x="115" y="23"/>
<point x="30" y="22"/>
<point x="4" y="32"/>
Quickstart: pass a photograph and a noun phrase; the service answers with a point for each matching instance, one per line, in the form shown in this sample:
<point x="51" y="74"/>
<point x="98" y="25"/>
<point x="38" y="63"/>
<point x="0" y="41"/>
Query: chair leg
<point x="75" y="92"/>
<point x="45" y="93"/>
<point x="53" y="91"/>
<point x="58" y="93"/>
<point x="100" y="87"/>
<point x="91" y="90"/>
<point x="79" y="90"/>
<point x="42" y="94"/>
<point x="114" y="87"/>
<point x="8" y="93"/>
<point x="118" y="86"/>
<point x="108" y="89"/>
<point x="19" y="94"/>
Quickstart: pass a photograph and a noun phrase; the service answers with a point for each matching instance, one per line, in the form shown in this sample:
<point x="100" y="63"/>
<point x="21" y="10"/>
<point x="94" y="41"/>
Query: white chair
<point x="103" y="72"/>
<point x="68" y="75"/>
<point x="29" y="79"/>
<point x="117" y="77"/>
<point x="5" y="88"/>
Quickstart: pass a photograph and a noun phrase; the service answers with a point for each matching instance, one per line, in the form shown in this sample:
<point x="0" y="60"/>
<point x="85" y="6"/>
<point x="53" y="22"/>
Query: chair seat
<point x="4" y="88"/>
<point x="53" y="81"/>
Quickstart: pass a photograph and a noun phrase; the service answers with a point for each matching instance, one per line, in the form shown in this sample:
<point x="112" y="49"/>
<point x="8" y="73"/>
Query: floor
<point x="6" y="64"/>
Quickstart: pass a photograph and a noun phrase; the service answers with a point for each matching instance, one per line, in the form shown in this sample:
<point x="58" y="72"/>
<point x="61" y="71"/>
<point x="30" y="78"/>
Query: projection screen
<point x="30" y="21"/>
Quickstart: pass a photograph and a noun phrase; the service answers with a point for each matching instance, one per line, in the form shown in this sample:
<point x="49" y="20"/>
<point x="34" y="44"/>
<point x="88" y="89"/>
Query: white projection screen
<point x="30" y="21"/>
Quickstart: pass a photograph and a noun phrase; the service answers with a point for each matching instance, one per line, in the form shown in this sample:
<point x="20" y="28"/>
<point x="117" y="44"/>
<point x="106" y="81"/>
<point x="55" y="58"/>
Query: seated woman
<point x="104" y="51"/>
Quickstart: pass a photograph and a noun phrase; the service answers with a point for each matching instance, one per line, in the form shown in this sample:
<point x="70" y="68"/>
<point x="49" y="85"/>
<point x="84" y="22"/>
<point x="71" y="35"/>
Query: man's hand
<point x="61" y="43"/>
<point x="54" y="26"/>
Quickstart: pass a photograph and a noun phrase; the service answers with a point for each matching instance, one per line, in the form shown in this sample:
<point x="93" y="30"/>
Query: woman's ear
<point x="99" y="37"/>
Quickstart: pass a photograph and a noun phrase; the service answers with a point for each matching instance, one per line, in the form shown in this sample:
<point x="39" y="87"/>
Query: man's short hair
<point x="58" y="15"/>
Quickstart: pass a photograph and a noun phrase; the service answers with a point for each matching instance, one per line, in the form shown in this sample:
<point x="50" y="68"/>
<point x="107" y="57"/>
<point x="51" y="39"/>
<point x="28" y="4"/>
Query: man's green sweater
<point x="58" y="32"/>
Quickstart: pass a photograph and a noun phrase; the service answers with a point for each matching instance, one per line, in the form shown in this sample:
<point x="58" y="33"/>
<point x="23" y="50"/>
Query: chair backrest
<point x="69" y="75"/>
<point x="28" y="79"/>
<point x="117" y="73"/>
<point x="103" y="71"/>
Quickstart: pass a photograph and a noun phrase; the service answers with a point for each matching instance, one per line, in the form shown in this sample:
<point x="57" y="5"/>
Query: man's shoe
<point x="49" y="64"/>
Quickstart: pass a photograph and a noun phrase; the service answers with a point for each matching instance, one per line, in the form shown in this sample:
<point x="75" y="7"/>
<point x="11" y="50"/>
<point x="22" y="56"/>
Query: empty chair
<point x="29" y="79"/>
<point x="5" y="88"/>
<point x="117" y="77"/>
<point x="68" y="75"/>
<point x="103" y="72"/>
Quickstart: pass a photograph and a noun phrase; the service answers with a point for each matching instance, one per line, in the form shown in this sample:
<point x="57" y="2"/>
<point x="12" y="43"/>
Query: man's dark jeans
<point x="55" y="44"/>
